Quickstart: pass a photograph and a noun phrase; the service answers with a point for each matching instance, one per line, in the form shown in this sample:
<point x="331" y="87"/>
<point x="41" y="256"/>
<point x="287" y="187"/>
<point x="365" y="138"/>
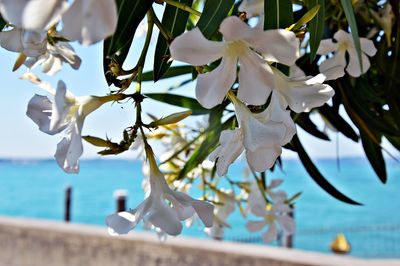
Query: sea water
<point x="35" y="188"/>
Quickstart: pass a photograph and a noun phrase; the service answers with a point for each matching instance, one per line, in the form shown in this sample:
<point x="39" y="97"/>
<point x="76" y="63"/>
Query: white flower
<point x="302" y="93"/>
<point x="155" y="210"/>
<point x="90" y="21"/>
<point x="274" y="216"/>
<point x="241" y="44"/>
<point x="260" y="134"/>
<point x="53" y="58"/>
<point x="225" y="206"/>
<point x="333" y="67"/>
<point x="29" y="42"/>
<point x="66" y="113"/>
<point x="35" y="15"/>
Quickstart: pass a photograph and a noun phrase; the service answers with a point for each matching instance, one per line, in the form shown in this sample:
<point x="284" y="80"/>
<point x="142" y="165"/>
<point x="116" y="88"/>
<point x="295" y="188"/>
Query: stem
<point x="165" y="33"/>
<point x="183" y="7"/>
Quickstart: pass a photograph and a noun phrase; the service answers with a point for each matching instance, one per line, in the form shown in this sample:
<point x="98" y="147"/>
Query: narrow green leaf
<point x="351" y="19"/>
<point x="2" y="23"/>
<point x="179" y="100"/>
<point x="277" y="14"/>
<point x="174" y="20"/>
<point x="171" y="72"/>
<point x="338" y="122"/>
<point x="213" y="14"/>
<point x="316" y="26"/>
<point x="313" y="171"/>
<point x="304" y="121"/>
<point x="375" y="157"/>
<point x="116" y="47"/>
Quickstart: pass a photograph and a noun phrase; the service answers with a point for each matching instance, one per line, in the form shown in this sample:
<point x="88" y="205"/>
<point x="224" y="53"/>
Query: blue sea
<point x="35" y="188"/>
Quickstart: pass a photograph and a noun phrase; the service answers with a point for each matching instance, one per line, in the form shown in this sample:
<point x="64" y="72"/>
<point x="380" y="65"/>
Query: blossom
<point x="90" y="21"/>
<point x="333" y="67"/>
<point x="66" y="113"/>
<point x="260" y="134"/>
<point x="302" y="93"/>
<point x="30" y="43"/>
<point x="155" y="210"/>
<point x="241" y="44"/>
<point x="53" y="58"/>
<point x="225" y="206"/>
<point x="274" y="216"/>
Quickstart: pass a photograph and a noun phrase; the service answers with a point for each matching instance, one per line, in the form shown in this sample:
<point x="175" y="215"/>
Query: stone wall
<point x="26" y="242"/>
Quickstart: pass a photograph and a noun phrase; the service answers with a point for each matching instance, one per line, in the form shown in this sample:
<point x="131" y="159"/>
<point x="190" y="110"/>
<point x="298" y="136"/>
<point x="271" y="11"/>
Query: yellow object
<point x="340" y="244"/>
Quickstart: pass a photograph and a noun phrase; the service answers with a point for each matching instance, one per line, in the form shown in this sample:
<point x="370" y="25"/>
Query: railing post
<point x="67" y="204"/>
<point x="120" y="196"/>
<point x="287" y="241"/>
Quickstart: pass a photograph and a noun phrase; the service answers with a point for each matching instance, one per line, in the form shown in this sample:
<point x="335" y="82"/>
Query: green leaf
<point x="351" y="19"/>
<point x="214" y="12"/>
<point x="171" y="72"/>
<point x="174" y="20"/>
<point x="313" y="171"/>
<point x="181" y="101"/>
<point x="116" y="47"/>
<point x="2" y="22"/>
<point x="307" y="17"/>
<point x="338" y="122"/>
<point x="304" y="121"/>
<point x="277" y="14"/>
<point x="316" y="26"/>
<point x="375" y="157"/>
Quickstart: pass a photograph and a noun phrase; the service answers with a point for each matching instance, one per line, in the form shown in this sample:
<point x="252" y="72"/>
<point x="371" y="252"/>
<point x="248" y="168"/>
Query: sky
<point x="21" y="138"/>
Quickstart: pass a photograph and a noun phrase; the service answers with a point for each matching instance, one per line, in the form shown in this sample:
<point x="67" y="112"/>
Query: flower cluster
<point x="263" y="134"/>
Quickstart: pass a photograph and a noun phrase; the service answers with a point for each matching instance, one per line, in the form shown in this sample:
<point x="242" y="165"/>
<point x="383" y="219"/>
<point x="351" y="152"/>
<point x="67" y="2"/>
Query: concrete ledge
<point x="26" y="242"/>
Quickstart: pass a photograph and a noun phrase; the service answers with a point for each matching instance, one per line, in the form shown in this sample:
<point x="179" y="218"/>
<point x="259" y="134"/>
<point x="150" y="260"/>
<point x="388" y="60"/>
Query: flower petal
<point x="234" y="29"/>
<point x="212" y="87"/>
<point x="90" y="21"/>
<point x="205" y="211"/>
<point x="252" y="7"/>
<point x="32" y="14"/>
<point x="70" y="149"/>
<point x="353" y="68"/>
<point x="165" y="217"/>
<point x="120" y="223"/>
<point x="302" y="96"/>
<point x="277" y="45"/>
<point x="193" y="48"/>
<point x="60" y="107"/>
<point x="263" y="159"/>
<point x="333" y="68"/>
<point x="256" y="79"/>
<point x="39" y="110"/>
<point x="255" y="226"/>
<point x="231" y="147"/>
<point x="327" y="46"/>
<point x="287" y="224"/>
<point x="12" y="40"/>
<point x="368" y="47"/>
<point x="271" y="234"/>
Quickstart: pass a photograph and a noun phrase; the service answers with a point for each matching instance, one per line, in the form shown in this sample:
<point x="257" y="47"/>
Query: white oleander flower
<point x="90" y="21"/>
<point x="241" y="44"/>
<point x="52" y="59"/>
<point x="334" y="67"/>
<point x="260" y="134"/>
<point x="155" y="210"/>
<point x="302" y="93"/>
<point x="274" y="216"/>
<point x="225" y="206"/>
<point x="30" y="20"/>
<point x="66" y="113"/>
